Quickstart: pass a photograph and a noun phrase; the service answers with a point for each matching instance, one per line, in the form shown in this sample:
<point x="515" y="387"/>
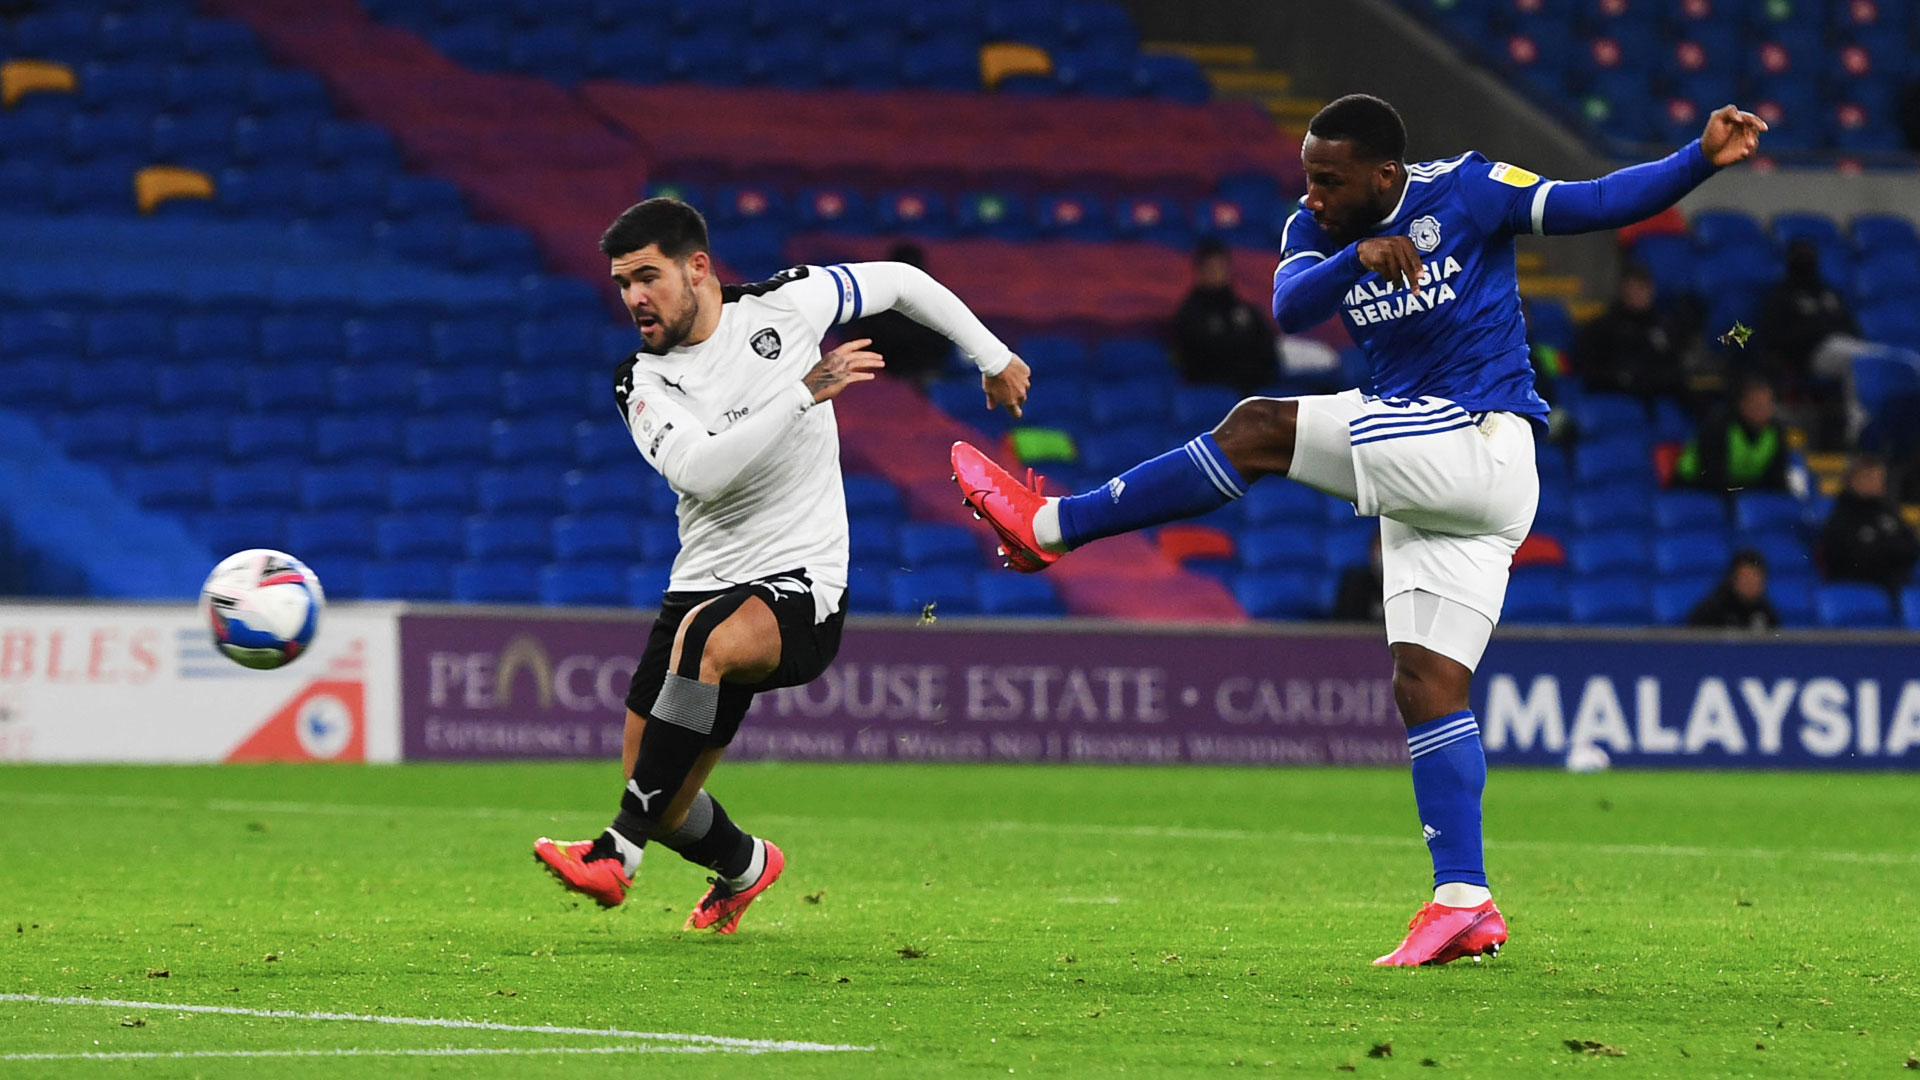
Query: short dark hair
<point x="1370" y="124"/>
<point x="1208" y="247"/>
<point x="678" y="229"/>
<point x="1747" y="557"/>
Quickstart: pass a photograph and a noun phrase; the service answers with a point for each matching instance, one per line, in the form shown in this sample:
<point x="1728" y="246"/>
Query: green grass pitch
<point x="957" y="920"/>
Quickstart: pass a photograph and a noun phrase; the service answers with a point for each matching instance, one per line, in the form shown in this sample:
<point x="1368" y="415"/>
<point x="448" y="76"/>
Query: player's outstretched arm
<point x="897" y="286"/>
<point x="1638" y="192"/>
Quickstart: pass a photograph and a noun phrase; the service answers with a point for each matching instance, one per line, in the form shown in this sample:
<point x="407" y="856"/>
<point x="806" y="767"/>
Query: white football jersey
<point x="785" y="510"/>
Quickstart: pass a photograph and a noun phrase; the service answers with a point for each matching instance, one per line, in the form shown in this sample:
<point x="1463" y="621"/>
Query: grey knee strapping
<point x="687" y="703"/>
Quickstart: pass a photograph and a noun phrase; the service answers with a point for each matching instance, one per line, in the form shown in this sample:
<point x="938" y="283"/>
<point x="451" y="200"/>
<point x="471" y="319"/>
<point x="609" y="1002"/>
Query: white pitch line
<point x="441" y="1051"/>
<point x="1150" y="832"/>
<point x="721" y="1042"/>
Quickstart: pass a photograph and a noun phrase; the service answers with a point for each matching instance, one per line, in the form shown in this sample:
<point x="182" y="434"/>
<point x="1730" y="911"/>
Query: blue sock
<point x="1449" y="773"/>
<point x="1182" y="483"/>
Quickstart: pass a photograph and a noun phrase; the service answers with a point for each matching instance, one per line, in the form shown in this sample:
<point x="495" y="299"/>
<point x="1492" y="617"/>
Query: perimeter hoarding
<point x="540" y="686"/>
<point x="136" y="683"/>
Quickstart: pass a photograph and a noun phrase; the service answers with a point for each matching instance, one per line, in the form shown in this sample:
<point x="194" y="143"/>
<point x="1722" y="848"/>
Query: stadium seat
<point x="1793" y="598"/>
<point x="870" y="590"/>
<point x="406" y="579"/>
<point x="1615" y="506"/>
<point x="449" y="437"/>
<point x="604" y="442"/>
<point x="1910" y="607"/>
<point x="445" y="487"/>
<point x="1614" y="600"/>
<point x="924" y="545"/>
<point x="173" y="485"/>
<point x="1607" y="460"/>
<point x="496" y="581"/>
<point x="1618" y="551"/>
<point x="349" y="487"/>
<point x="1675" y="599"/>
<point x="874" y="540"/>
<point x="1283" y="594"/>
<point x="510" y="536"/>
<point x="183" y="434"/>
<point x="1786" y="553"/>
<point x="938" y="591"/>
<point x="1282" y="504"/>
<point x="1691" y="553"/>
<point x="1282" y="547"/>
<point x="427" y="534"/>
<point x="1765" y="511"/>
<point x="601" y="584"/>
<point x="302" y="390"/>
<point x="331" y="532"/>
<point x="549" y="391"/>
<point x="1854" y="606"/>
<point x="1002" y="593"/>
<point x="261" y="438"/>
<point x="451" y="390"/>
<point x="588" y="491"/>
<point x="592" y="537"/>
<point x="531" y="489"/>
<point x="1678" y="510"/>
<point x="647" y="583"/>
<point x="520" y="442"/>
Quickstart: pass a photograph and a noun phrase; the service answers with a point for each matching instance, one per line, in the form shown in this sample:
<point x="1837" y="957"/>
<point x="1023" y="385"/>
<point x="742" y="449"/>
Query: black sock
<point x="709" y="838"/>
<point x="667" y="754"/>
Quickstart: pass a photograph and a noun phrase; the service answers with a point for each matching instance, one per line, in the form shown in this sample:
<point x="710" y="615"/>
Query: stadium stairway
<point x="72" y="532"/>
<point x="891" y="430"/>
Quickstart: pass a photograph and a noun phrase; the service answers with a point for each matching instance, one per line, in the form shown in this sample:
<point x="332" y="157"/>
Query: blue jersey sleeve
<point x="1310" y="280"/>
<point x="1510" y="199"/>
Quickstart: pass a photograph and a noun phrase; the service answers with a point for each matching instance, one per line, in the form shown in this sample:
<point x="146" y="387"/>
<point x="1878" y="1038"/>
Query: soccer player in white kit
<point x="731" y="401"/>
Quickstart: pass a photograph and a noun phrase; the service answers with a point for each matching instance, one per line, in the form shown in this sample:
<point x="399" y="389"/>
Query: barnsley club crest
<point x="766" y="342"/>
<point x="1425" y="233"/>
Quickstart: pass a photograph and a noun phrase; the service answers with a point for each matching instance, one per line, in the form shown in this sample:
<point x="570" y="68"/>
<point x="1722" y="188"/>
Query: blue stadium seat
<point x="286" y="390"/>
<point x="426" y="534"/>
<point x="869" y="590"/>
<point x="590" y="491"/>
<point x="1201" y="407"/>
<point x="938" y="591"/>
<point x="237" y="530"/>
<point x="928" y="545"/>
<point x="1765" y="511"/>
<point x="449" y="437"/>
<point x="406" y="579"/>
<point x="171" y="485"/>
<point x="261" y="438"/>
<point x="1114" y="405"/>
<point x="519" y="490"/>
<point x="1615" y="506"/>
<point x="37" y="382"/>
<point x="1551" y="462"/>
<point x="373" y="389"/>
<point x="601" y="584"/>
<point x="659" y="540"/>
<point x="205" y="385"/>
<point x="1349" y="545"/>
<point x="1613" y="552"/>
<point x="1288" y="546"/>
<point x="1602" y="416"/>
<point x="1910" y="607"/>
<point x="386" y="339"/>
<point x="872" y="496"/>
<point x="1854" y="605"/>
<point x="1002" y="593"/>
<point x="1675" y="599"/>
<point x="874" y="540"/>
<point x="443" y="487"/>
<point x="1276" y="503"/>
<point x="1283" y="594"/>
<point x="182" y="435"/>
<point x="647" y="583"/>
<point x="1056" y="354"/>
<point x="518" y="442"/>
<point x="343" y="487"/>
<point x="1793" y="598"/>
<point x="1692" y="553"/>
<point x="510" y="536"/>
<point x="604" y="442"/>
<point x="254" y="487"/>
<point x="51" y="331"/>
<point x="331" y="532"/>
<point x="1880" y="232"/>
<point x="1786" y="553"/>
<point x="450" y="390"/>
<point x="96" y="434"/>
<point x="549" y="391"/>
<point x="115" y="333"/>
<point x="1724" y="228"/>
<point x="496" y="581"/>
<point x="296" y="338"/>
<point x="590" y="537"/>
<point x="212" y="336"/>
<point x="344" y="576"/>
<point x="1132" y="358"/>
<point x="1612" y="460"/>
<point x="104" y="384"/>
<point x="473" y="342"/>
<point x="1613" y="600"/>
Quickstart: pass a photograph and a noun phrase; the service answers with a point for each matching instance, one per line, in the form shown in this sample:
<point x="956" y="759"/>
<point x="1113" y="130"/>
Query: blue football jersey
<point x="1462" y="338"/>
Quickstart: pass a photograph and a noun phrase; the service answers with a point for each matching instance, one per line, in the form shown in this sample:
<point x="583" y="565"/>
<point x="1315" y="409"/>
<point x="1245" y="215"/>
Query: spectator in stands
<point x="912" y="351"/>
<point x="1806" y="340"/>
<point x="1361" y="596"/>
<point x="1219" y="337"/>
<point x="1865" y="539"/>
<point x="1740" y="601"/>
<point x="1745" y="449"/>
<point x="1631" y="348"/>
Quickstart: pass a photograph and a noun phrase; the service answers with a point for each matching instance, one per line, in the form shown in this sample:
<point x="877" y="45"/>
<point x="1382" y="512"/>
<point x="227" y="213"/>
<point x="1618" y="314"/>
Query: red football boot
<point x="603" y="879"/>
<point x="1006" y="504"/>
<point x="1439" y="934"/>
<point x="723" y="906"/>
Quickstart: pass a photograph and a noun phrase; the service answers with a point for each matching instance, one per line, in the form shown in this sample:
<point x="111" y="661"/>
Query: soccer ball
<point x="1588" y="758"/>
<point x="263" y="607"/>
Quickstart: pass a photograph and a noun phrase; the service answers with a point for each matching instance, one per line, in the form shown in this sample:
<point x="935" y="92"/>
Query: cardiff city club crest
<point x="1425" y="233"/>
<point x="766" y="342"/>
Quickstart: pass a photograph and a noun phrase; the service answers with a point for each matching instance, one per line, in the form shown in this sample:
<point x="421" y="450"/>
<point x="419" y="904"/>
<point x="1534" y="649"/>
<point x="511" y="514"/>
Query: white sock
<point x="1046" y="527"/>
<point x="1461" y="894"/>
<point x="755" y="867"/>
<point x="630" y="853"/>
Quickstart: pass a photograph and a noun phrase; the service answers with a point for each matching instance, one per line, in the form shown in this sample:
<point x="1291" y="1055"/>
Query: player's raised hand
<point x="1008" y="388"/>
<point x="1731" y="135"/>
<point x="1393" y="258"/>
<point x="841" y="368"/>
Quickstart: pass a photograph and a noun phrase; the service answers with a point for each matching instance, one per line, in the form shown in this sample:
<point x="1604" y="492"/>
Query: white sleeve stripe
<point x="1297" y="256"/>
<point x="1540" y="206"/>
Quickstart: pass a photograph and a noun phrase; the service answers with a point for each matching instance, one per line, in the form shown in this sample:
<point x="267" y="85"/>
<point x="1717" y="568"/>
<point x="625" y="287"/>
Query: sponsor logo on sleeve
<point x="1512" y="175"/>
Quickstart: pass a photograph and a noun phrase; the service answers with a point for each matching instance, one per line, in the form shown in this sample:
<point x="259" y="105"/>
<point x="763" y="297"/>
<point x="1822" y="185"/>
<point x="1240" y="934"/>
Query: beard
<point x="674" y="332"/>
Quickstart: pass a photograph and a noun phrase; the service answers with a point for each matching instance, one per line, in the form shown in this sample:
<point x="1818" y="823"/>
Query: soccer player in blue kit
<point x="1418" y="261"/>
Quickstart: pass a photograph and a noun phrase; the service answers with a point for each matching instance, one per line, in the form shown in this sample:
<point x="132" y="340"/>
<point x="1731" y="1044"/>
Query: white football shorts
<point x="1455" y="493"/>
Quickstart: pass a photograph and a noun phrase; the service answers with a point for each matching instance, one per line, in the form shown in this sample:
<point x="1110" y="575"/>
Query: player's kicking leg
<point x="1427" y="463"/>
<point x="707" y="657"/>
